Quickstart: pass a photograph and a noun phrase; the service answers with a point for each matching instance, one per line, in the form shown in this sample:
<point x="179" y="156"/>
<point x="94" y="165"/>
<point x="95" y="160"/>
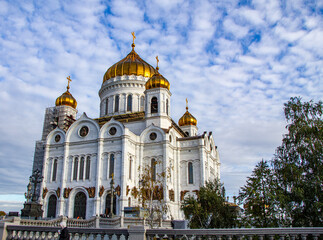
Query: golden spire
<point x="68" y="82"/>
<point x="133" y="40"/>
<point x="157" y="68"/>
<point x="186" y="105"/>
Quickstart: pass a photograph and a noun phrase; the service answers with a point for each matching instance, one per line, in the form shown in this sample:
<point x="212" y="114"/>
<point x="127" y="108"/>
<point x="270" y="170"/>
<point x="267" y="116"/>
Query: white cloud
<point x="235" y="90"/>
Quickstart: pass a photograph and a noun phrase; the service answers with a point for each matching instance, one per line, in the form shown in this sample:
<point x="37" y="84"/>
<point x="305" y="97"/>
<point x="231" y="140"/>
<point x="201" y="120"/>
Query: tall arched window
<point x="130" y="167"/>
<point x="51" y="210"/>
<point x="54" y="170"/>
<point x="116" y="104"/>
<point x="154" y="105"/>
<point x="190" y="173"/>
<point x="76" y="161"/>
<point x="153" y="169"/>
<point x="81" y="174"/>
<point x="142" y="103"/>
<point x="129" y="202"/>
<point x="111" y="168"/>
<point x="88" y="167"/>
<point x="107" y="106"/>
<point x="129" y="103"/>
<point x="80" y="205"/>
<point x="167" y="107"/>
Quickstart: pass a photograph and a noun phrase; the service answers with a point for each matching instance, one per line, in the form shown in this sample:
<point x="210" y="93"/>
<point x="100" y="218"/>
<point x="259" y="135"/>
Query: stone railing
<point x="242" y="233"/>
<point x="141" y="233"/>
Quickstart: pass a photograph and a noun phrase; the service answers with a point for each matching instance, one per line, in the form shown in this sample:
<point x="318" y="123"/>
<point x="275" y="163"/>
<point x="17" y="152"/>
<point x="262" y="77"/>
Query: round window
<point x="153" y="136"/>
<point x="57" y="138"/>
<point x="113" y="131"/>
<point x="84" y="131"/>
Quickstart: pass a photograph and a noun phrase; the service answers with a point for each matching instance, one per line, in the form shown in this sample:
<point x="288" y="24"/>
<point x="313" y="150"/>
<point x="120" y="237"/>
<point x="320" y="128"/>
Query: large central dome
<point x="132" y="64"/>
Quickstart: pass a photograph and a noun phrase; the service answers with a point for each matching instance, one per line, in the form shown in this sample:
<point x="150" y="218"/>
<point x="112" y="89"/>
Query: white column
<point x="61" y="200"/>
<point x="123" y="180"/>
<point x="98" y="177"/>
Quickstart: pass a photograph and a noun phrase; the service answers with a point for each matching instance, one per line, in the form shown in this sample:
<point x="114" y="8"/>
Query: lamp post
<point x="111" y="196"/>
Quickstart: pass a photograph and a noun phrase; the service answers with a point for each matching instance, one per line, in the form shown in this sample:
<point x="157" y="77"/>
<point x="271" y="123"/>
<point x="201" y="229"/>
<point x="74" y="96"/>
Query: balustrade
<point x="15" y="232"/>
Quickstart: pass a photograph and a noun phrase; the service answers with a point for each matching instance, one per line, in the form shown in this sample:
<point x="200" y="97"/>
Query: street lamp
<point x="111" y="196"/>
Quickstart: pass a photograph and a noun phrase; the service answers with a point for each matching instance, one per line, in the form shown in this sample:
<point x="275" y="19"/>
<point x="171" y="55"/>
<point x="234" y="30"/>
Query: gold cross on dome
<point x="157" y="60"/>
<point x="68" y="82"/>
<point x="186" y="104"/>
<point x="133" y="37"/>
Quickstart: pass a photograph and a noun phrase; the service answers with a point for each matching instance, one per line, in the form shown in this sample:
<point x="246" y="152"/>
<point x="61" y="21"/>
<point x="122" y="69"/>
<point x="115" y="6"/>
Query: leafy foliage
<point x="258" y="198"/>
<point x="298" y="165"/>
<point x="150" y="194"/>
<point x="209" y="209"/>
<point x="2" y="213"/>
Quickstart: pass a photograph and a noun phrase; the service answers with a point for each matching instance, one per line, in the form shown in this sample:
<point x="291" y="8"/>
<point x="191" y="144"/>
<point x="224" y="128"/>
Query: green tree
<point x="258" y="199"/>
<point x="209" y="208"/>
<point x="2" y="213"/>
<point x="298" y="165"/>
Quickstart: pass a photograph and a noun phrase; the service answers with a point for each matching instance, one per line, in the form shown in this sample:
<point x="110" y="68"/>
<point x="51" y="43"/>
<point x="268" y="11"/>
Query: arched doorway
<point x="80" y="205"/>
<point x="51" y="210"/>
<point x="108" y="204"/>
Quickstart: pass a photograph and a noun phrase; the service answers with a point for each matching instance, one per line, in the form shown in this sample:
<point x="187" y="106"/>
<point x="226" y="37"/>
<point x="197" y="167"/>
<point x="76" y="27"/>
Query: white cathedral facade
<point x="79" y="157"/>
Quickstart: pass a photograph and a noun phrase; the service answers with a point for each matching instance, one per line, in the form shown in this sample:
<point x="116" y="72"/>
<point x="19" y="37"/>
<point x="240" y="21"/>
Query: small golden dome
<point x="187" y="119"/>
<point x="66" y="98"/>
<point x="157" y="80"/>
<point x="132" y="64"/>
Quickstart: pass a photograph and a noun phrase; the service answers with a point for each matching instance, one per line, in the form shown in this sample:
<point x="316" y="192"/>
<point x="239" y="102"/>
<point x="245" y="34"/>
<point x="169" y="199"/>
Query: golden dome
<point x="187" y="119"/>
<point x="157" y="80"/>
<point x="66" y="98"/>
<point x="132" y="64"/>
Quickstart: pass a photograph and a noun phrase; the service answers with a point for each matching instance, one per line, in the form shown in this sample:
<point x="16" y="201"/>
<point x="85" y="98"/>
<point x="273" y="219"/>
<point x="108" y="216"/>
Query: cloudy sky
<point x="237" y="62"/>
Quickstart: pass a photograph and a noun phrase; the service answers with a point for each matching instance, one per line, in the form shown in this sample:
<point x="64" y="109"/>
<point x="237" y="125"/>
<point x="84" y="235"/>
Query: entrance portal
<point x="80" y="205"/>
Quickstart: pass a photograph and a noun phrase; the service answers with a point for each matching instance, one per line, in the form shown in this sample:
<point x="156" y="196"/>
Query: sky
<point x="237" y="63"/>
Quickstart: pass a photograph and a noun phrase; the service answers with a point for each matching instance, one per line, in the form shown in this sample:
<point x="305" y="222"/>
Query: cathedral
<point x="79" y="158"/>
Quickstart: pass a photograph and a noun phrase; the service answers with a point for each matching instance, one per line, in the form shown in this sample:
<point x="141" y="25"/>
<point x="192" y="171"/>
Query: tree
<point x="2" y="213"/>
<point x="298" y="165"/>
<point x="150" y="194"/>
<point x="209" y="208"/>
<point x="258" y="198"/>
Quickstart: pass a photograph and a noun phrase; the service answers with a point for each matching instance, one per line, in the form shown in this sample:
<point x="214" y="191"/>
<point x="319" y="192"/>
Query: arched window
<point x="153" y="169"/>
<point x="54" y="170"/>
<point x="81" y="174"/>
<point x="51" y="210"/>
<point x="129" y="103"/>
<point x="167" y="107"/>
<point x="111" y="168"/>
<point x="130" y="167"/>
<point x="107" y="106"/>
<point x="190" y="173"/>
<point x="88" y="167"/>
<point x="142" y="103"/>
<point x="116" y="104"/>
<point x="76" y="160"/>
<point x="80" y="205"/>
<point x="129" y="202"/>
<point x="154" y="105"/>
<point x="108" y="204"/>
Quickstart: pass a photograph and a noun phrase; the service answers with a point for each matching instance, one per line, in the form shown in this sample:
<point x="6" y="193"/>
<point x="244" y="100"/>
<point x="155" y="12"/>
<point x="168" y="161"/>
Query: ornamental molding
<point x="45" y="191"/>
<point x="58" y="192"/>
<point x="91" y="191"/>
<point x="67" y="192"/>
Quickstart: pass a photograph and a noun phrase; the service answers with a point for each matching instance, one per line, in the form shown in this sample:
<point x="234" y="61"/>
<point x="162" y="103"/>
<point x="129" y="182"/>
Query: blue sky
<point x="237" y="62"/>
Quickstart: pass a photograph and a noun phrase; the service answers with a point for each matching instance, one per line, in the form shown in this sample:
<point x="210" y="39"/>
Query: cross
<point x="157" y="60"/>
<point x="133" y="37"/>
<point x="186" y="104"/>
<point x="69" y="80"/>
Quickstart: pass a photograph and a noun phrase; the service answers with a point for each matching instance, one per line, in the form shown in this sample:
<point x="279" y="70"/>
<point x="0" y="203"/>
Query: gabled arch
<point x="72" y="135"/>
<point x="51" y="136"/>
<point x="104" y="131"/>
<point x="145" y="135"/>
